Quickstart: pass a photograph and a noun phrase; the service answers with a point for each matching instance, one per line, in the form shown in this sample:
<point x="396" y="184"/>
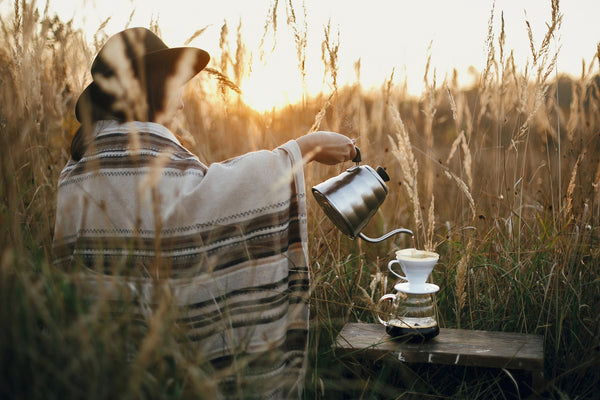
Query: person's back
<point x="232" y="256"/>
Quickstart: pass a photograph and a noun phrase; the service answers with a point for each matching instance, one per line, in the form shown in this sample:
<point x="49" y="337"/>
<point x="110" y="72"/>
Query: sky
<point x="386" y="35"/>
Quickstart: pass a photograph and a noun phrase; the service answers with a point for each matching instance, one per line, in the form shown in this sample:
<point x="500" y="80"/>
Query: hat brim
<point x="173" y="66"/>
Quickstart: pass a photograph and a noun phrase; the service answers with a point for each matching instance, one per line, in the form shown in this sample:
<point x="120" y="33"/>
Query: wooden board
<point x="450" y="347"/>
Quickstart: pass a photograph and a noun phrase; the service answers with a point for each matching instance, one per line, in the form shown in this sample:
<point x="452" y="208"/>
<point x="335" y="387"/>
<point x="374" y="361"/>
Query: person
<point x="229" y="239"/>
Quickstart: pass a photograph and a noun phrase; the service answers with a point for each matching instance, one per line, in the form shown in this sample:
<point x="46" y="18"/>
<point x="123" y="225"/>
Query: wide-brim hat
<point x="131" y="64"/>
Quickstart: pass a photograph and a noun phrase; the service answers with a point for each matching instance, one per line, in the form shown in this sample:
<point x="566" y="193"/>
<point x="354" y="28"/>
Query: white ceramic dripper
<point x="416" y="265"/>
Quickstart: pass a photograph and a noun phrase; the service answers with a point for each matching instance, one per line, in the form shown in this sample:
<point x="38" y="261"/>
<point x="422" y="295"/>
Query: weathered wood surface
<point x="450" y="347"/>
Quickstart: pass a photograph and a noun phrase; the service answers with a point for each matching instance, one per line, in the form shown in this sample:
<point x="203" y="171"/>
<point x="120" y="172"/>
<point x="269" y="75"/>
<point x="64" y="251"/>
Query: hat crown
<point x="126" y="46"/>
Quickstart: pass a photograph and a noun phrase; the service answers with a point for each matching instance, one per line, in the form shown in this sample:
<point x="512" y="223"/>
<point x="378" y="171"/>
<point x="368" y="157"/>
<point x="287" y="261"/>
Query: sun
<point x="272" y="86"/>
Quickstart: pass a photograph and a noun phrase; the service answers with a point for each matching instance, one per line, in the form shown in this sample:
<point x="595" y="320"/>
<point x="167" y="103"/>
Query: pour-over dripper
<point x="417" y="266"/>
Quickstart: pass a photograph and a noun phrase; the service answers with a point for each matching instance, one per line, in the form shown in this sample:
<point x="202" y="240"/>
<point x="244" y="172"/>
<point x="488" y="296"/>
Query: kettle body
<point x="352" y="198"/>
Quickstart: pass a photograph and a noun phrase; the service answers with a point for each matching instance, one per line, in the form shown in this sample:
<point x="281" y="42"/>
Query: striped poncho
<point x="229" y="240"/>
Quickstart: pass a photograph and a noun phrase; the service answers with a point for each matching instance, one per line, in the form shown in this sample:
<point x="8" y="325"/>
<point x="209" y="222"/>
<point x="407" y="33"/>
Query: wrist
<point x="308" y="147"/>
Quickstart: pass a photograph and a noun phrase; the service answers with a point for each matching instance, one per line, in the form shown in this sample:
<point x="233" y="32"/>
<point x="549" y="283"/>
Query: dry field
<point x="500" y="178"/>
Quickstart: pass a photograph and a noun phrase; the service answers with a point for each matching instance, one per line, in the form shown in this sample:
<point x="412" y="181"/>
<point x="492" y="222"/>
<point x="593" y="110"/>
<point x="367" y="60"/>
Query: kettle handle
<point x="387" y="235"/>
<point x="358" y="158"/>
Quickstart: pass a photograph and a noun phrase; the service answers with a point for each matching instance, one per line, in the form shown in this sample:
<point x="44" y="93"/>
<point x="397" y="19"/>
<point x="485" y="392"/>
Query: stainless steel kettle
<point x="353" y="197"/>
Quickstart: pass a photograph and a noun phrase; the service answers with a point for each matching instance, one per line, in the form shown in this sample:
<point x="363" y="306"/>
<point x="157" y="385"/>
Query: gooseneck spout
<point x="387" y="235"/>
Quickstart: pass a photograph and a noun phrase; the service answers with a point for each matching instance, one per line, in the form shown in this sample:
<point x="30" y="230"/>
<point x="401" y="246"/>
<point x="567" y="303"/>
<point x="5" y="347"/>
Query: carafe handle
<point x="385" y="297"/>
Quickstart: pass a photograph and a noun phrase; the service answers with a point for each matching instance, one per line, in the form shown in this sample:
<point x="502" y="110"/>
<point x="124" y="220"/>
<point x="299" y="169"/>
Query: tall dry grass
<point x="502" y="179"/>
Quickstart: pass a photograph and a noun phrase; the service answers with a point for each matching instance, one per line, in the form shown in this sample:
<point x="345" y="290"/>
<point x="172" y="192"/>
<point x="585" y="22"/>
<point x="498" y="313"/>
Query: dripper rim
<point x="430" y="255"/>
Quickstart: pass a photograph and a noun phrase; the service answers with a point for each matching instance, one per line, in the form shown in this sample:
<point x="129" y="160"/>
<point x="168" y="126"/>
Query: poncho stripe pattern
<point x="229" y="241"/>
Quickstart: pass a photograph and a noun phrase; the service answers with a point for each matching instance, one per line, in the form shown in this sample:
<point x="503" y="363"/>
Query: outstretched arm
<point x="326" y="147"/>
